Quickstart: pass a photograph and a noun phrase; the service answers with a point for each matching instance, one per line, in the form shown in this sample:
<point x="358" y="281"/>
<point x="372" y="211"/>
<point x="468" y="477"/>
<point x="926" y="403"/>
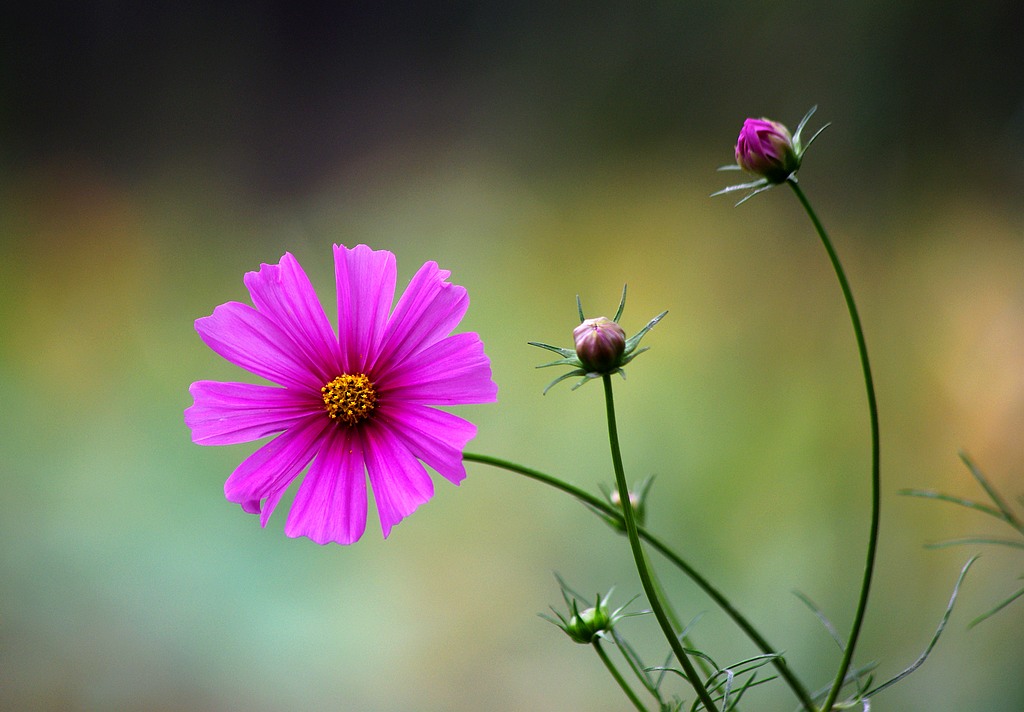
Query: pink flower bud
<point x="765" y="148"/>
<point x="600" y="343"/>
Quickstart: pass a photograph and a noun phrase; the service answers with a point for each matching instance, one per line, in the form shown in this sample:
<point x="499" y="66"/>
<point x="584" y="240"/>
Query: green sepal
<point x="797" y="146"/>
<point x="570" y="374"/>
<point x="633" y="341"/>
<point x="565" y="353"/>
<point x="758" y="186"/>
<point x="562" y="362"/>
<point x="622" y="306"/>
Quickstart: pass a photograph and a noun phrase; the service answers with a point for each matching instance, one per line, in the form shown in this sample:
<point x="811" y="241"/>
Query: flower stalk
<point x="650" y="590"/>
<point x="617" y="676"/>
<point x="862" y="350"/>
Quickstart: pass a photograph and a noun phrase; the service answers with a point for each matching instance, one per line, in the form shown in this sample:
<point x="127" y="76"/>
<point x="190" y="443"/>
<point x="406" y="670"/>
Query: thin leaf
<point x="740" y="668"/>
<point x="852" y="676"/>
<point x="636" y="664"/>
<point x="975" y="540"/>
<point x="724" y="678"/>
<point x="822" y="618"/>
<point x="729" y="677"/>
<point x="752" y="681"/>
<point x="995" y="610"/>
<point x="935" y="638"/>
<point x="705" y="656"/>
<point x="1008" y="516"/>
<point x="693" y="622"/>
<point x="970" y="504"/>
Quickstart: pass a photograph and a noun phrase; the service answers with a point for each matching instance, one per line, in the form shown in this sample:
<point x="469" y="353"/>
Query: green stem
<point x="641" y="561"/>
<point x="876" y="480"/>
<point x="605" y="509"/>
<point x="638" y="668"/>
<point x="618" y="677"/>
<point x="703" y="664"/>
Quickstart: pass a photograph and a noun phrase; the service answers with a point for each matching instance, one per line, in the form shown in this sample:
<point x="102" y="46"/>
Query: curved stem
<point x="618" y="677"/>
<point x="641" y="561"/>
<point x="606" y="510"/>
<point x="862" y="349"/>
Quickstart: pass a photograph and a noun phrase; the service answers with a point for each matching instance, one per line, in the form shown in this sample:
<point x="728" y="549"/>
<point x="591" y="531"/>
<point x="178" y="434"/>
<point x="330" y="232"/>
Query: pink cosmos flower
<point x="353" y="404"/>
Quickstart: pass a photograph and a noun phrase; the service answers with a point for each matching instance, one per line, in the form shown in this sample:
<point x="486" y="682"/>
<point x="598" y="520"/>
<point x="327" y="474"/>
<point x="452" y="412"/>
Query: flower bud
<point x="765" y="148"/>
<point x="586" y="625"/>
<point x="593" y="622"/>
<point x="600" y="344"/>
<point x="602" y="348"/>
<point x="634" y="500"/>
<point x="636" y="503"/>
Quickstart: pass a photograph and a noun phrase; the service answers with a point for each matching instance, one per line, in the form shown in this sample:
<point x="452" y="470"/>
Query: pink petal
<point x="269" y="504"/>
<point x="433" y="436"/>
<point x="252" y="341"/>
<point x="284" y="294"/>
<point x="427" y="311"/>
<point x="251" y="506"/>
<point x="230" y="413"/>
<point x="454" y="371"/>
<point x="331" y="502"/>
<point x="266" y="474"/>
<point x="399" y="482"/>
<point x="366" y="289"/>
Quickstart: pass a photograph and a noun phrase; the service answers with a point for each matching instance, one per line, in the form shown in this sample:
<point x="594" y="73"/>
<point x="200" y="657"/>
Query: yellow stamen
<point x="349" y="398"/>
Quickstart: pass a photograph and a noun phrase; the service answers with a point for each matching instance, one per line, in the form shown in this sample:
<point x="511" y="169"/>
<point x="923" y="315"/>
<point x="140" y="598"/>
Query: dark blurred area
<point x="272" y="95"/>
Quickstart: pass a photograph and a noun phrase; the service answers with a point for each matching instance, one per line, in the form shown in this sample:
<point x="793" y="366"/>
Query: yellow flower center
<point x="349" y="398"/>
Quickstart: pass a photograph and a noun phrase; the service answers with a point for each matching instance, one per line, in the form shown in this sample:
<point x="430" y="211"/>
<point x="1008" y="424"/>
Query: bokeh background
<point x="151" y="153"/>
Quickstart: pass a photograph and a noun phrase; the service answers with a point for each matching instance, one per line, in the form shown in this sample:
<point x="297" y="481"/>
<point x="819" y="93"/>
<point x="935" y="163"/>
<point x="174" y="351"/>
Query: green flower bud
<point x="634" y="502"/>
<point x="637" y="501"/>
<point x="588" y="624"/>
<point x="593" y="622"/>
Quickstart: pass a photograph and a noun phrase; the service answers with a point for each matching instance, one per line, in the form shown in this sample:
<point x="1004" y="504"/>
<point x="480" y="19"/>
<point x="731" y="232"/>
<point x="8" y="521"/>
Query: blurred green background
<point x="151" y="154"/>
